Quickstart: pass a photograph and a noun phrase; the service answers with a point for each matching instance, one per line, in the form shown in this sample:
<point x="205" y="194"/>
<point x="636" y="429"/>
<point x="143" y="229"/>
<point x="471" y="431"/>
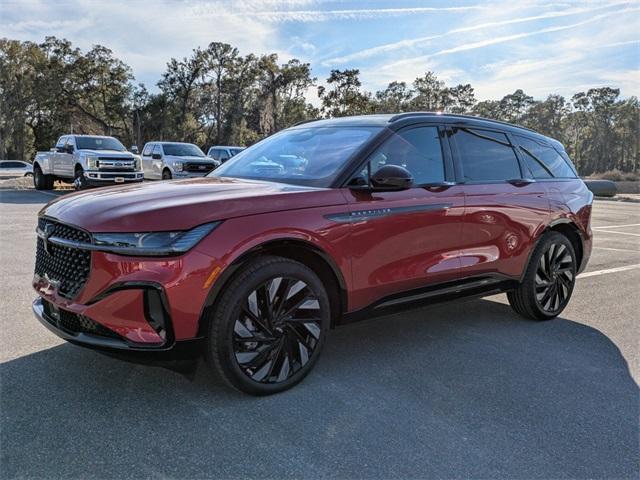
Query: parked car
<point x="86" y="160"/>
<point x="167" y="160"/>
<point x="15" y="168"/>
<point x="223" y="153"/>
<point x="251" y="266"/>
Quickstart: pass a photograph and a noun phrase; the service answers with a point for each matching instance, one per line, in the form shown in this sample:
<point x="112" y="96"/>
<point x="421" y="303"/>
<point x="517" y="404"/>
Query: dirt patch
<point x="26" y="183"/>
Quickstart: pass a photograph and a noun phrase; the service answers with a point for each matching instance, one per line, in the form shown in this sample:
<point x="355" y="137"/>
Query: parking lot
<point x="463" y="390"/>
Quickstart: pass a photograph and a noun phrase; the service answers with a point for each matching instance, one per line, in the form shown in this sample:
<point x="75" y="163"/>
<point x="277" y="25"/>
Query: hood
<point x="106" y="153"/>
<point x="182" y="204"/>
<point x="174" y="158"/>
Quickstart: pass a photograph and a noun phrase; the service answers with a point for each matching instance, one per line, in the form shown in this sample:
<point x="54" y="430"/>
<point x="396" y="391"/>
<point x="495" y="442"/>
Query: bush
<point x="616" y="175"/>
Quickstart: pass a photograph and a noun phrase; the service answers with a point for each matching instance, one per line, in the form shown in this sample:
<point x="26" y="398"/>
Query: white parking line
<point x="609" y="270"/>
<point x="619" y="233"/>
<point x="617" y="226"/>
<point x="618" y="249"/>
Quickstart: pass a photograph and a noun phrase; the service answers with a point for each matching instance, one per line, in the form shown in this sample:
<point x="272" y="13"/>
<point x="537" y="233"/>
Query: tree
<point x="343" y="95"/>
<point x="394" y="99"/>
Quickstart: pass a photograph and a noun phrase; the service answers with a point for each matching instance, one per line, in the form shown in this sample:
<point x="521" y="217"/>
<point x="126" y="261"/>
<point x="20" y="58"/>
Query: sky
<point x="542" y="47"/>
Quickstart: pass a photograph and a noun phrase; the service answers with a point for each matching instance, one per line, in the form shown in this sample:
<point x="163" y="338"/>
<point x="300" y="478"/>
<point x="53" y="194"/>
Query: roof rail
<point x="400" y="116"/>
<point x="306" y="121"/>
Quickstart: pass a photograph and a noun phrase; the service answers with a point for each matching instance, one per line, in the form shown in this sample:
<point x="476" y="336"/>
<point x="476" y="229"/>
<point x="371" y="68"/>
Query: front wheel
<point x="268" y="328"/>
<point x="549" y="280"/>
<point x="166" y="174"/>
<point x="79" y="180"/>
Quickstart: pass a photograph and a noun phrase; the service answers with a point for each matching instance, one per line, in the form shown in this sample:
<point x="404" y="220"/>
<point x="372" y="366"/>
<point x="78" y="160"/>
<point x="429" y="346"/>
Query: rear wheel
<point x="549" y="280"/>
<point x="166" y="174"/>
<point x="40" y="180"/>
<point x="269" y="326"/>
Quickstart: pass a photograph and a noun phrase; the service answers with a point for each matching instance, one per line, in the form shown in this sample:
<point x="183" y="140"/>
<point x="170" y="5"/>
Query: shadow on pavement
<point x="31" y="196"/>
<point x="456" y="391"/>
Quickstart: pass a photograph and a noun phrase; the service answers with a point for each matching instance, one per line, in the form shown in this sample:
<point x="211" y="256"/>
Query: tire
<point x="262" y="353"/>
<point x="166" y="174"/>
<point x="28" y="174"/>
<point x="549" y="280"/>
<point x="79" y="180"/>
<point x="42" y="181"/>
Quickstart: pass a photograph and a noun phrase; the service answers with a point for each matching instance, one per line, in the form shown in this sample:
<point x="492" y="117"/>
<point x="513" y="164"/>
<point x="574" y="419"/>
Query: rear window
<point x="486" y="156"/>
<point x="543" y="160"/>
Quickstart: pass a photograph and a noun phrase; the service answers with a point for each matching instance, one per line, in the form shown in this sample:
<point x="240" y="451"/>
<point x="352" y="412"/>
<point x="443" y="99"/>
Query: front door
<point x="408" y="239"/>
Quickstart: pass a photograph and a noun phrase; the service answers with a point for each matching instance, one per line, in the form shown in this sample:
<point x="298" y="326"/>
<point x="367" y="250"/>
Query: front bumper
<point x="169" y="351"/>
<point x="95" y="177"/>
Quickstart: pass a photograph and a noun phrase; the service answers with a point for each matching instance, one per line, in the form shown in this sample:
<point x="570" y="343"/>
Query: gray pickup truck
<point x="86" y="160"/>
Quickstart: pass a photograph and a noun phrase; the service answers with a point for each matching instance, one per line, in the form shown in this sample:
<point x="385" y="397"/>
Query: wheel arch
<point x="295" y="249"/>
<point x="570" y="230"/>
<point x="566" y="227"/>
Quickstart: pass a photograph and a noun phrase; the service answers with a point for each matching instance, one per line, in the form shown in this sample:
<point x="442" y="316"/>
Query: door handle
<point x="521" y="182"/>
<point x="438" y="186"/>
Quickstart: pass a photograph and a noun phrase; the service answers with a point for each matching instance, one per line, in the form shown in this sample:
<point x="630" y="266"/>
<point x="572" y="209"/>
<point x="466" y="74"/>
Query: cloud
<point x="403" y="44"/>
<point x="507" y="38"/>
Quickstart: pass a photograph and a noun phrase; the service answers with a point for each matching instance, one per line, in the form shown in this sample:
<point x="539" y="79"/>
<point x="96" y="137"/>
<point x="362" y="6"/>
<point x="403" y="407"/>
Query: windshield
<point x="301" y="156"/>
<point x="99" y="143"/>
<point x="182" y="150"/>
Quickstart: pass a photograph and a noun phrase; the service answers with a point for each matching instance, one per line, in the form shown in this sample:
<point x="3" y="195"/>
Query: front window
<point x="99" y="143"/>
<point x="235" y="151"/>
<point x="182" y="150"/>
<point x="301" y="156"/>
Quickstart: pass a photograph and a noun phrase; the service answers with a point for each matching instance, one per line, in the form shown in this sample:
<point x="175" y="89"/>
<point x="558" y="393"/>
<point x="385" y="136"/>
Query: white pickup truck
<point x="86" y="160"/>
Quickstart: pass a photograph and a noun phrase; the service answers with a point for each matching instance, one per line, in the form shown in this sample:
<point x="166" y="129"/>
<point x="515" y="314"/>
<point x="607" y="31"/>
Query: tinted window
<point x="12" y="165"/>
<point x="182" y="150"/>
<point x="418" y="150"/>
<point x="147" y="149"/>
<point x="99" y="143"/>
<point x="486" y="156"/>
<point x="303" y="156"/>
<point x="543" y="160"/>
<point x="224" y="155"/>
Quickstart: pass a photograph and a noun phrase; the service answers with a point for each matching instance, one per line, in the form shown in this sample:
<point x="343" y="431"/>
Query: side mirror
<point x="156" y="156"/>
<point x="134" y="149"/>
<point x="68" y="148"/>
<point x="392" y="177"/>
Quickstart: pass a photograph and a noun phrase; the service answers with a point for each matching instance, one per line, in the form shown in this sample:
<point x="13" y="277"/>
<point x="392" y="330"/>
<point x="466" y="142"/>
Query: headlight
<point x="177" y="166"/>
<point x="92" y="163"/>
<point x="152" y="243"/>
<point x="137" y="164"/>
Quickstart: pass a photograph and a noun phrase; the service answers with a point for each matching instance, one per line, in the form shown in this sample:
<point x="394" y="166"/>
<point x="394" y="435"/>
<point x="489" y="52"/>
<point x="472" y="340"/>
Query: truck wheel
<point x="79" y="180"/>
<point x="42" y="181"/>
<point x="166" y="174"/>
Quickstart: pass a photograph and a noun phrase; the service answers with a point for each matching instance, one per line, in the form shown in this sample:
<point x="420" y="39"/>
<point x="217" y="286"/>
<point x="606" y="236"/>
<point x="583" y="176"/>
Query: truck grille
<point x="119" y="164"/>
<point x="68" y="266"/>
<point x="75" y="323"/>
<point x="198" y="167"/>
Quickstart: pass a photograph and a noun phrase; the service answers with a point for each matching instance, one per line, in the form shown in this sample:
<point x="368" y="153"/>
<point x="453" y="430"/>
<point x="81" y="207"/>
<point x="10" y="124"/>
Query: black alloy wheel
<point x="269" y="326"/>
<point x="554" y="278"/>
<point x="549" y="280"/>
<point x="277" y="330"/>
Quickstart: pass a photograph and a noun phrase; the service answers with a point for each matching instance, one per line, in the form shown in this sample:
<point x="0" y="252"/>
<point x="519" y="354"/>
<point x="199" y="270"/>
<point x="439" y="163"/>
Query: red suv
<point x="320" y="224"/>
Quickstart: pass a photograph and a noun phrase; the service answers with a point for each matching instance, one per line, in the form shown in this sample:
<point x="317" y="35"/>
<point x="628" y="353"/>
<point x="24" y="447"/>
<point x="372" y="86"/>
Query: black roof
<point x="401" y="119"/>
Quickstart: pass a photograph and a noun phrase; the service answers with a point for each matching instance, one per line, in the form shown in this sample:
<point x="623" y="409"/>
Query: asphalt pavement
<point x="458" y="390"/>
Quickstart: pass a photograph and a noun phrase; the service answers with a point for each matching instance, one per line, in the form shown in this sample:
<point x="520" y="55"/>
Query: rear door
<point x="505" y="208"/>
<point x="408" y="239"/>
